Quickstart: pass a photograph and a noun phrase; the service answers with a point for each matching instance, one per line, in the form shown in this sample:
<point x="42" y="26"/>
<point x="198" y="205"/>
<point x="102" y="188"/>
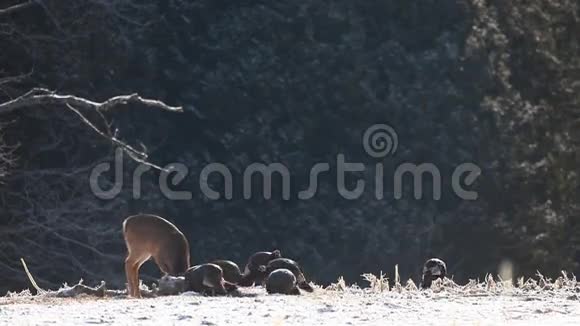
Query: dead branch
<point x="78" y="243"/>
<point x="17" y="7"/>
<point x="80" y="288"/>
<point x="98" y="291"/>
<point x="14" y="79"/>
<point x="138" y="156"/>
<point x="7" y="157"/>
<point x="40" y="96"/>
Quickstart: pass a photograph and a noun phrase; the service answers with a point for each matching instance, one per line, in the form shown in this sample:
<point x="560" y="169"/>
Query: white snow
<point x="351" y="306"/>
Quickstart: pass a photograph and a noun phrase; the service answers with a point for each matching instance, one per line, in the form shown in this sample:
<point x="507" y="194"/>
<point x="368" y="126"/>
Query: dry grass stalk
<point x="340" y="285"/>
<point x="32" y="281"/>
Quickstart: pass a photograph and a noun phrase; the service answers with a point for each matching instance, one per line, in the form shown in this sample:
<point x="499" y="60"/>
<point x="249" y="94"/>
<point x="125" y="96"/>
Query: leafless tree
<point x="48" y="216"/>
<point x="53" y="217"/>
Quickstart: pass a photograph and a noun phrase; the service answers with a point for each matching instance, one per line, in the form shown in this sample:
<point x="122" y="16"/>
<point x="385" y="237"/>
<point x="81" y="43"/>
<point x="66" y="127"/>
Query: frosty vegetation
<point x="491" y="301"/>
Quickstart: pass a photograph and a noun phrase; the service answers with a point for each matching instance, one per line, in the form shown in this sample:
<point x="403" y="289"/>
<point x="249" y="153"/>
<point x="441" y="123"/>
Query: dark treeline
<point x="496" y="83"/>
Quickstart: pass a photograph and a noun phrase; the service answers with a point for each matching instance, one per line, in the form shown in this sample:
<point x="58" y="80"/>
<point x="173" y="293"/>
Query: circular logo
<point x="380" y="140"/>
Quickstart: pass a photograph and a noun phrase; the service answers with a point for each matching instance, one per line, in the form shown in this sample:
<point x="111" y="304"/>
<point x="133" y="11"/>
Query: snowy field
<point x="475" y="304"/>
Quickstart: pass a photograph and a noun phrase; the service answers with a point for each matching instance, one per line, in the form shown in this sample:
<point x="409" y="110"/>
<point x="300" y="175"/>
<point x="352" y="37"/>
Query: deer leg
<point x="132" y="265"/>
<point x="130" y="274"/>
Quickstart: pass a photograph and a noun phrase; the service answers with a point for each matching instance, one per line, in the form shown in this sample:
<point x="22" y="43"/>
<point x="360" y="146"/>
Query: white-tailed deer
<point x="149" y="236"/>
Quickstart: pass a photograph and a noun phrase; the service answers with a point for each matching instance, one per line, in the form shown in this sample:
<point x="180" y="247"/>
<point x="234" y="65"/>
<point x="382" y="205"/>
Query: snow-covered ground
<point x="350" y="306"/>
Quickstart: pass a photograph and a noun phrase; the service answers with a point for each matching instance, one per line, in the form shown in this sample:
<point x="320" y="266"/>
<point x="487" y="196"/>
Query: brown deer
<point x="149" y="236"/>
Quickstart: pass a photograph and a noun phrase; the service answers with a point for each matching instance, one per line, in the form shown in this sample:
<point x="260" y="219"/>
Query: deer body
<point x="150" y="236"/>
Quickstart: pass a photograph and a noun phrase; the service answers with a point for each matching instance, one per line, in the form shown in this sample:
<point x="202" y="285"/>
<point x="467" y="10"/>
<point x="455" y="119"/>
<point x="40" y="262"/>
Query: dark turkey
<point x="207" y="279"/>
<point x="433" y="269"/>
<point x="230" y="269"/>
<point x="291" y="265"/>
<point x="255" y="269"/>
<point x="281" y="281"/>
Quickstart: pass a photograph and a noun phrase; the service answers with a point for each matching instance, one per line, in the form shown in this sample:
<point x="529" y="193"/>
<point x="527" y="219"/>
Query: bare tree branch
<point x="136" y="155"/>
<point x="14" y="79"/>
<point x="16" y="7"/>
<point x="7" y="157"/>
<point x="39" y="96"/>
